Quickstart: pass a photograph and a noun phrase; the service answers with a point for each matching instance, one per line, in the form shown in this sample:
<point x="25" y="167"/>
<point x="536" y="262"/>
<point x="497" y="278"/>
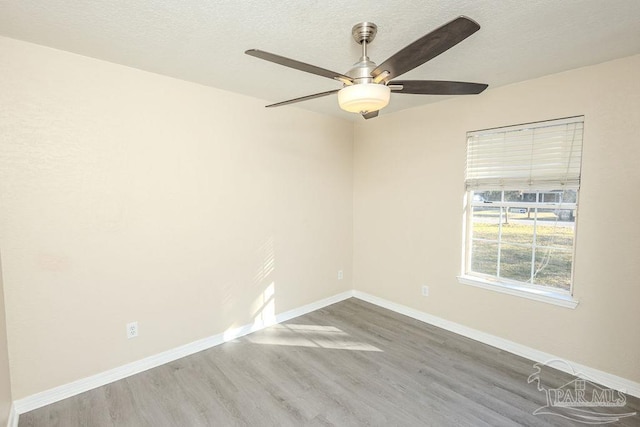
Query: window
<point x="522" y="186"/>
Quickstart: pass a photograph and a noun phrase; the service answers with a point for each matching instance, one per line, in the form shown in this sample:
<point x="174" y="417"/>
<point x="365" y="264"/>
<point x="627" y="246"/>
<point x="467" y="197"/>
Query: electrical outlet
<point x="340" y="275"/>
<point x="425" y="291"/>
<point x="132" y="330"/>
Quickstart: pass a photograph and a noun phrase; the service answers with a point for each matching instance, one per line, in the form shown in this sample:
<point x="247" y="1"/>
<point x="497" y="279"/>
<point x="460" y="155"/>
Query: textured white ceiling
<point x="204" y="41"/>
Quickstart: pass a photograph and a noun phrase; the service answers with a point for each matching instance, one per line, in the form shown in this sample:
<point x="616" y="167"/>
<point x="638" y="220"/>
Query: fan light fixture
<point x="366" y="97"/>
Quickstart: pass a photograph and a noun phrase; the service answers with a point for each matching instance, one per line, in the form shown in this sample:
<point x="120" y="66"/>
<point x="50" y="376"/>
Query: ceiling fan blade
<point x="303" y="98"/>
<point x="370" y="115"/>
<point x="436" y="87"/>
<point x="427" y="47"/>
<point x="297" y="65"/>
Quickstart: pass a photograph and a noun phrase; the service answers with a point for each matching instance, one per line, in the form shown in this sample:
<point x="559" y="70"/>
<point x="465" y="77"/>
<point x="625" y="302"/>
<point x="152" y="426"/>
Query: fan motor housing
<point x="361" y="71"/>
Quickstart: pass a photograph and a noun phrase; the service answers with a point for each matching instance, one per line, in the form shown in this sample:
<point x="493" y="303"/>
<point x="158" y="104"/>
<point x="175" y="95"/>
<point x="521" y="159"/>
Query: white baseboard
<point x="56" y="394"/>
<point x="13" y="417"/>
<point x="595" y="375"/>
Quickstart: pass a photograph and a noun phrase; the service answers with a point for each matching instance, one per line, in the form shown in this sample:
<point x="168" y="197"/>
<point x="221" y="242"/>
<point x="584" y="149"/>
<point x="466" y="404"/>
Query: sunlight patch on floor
<point x="317" y="336"/>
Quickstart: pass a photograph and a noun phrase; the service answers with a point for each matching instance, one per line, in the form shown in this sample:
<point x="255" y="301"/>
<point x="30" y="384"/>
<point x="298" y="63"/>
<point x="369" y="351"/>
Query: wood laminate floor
<point x="351" y="363"/>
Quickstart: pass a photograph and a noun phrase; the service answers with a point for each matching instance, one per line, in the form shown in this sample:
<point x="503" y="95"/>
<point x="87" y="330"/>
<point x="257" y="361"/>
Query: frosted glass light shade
<point x="364" y="97"/>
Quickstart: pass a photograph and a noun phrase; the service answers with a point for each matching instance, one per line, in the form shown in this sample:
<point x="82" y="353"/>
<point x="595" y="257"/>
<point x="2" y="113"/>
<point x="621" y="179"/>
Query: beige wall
<point x="128" y="196"/>
<point x="408" y="186"/>
<point x="5" y="379"/>
<point x="131" y="196"/>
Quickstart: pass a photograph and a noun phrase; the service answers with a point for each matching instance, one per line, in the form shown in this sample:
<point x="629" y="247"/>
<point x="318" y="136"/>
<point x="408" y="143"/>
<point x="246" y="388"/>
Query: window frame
<point x="549" y="294"/>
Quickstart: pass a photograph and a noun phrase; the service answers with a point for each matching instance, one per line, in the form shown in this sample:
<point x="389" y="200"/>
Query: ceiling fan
<point x="367" y="87"/>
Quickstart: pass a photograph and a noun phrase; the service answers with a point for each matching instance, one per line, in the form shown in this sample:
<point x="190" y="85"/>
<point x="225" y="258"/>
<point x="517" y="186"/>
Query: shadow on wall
<point x="263" y="307"/>
<point x="263" y="314"/>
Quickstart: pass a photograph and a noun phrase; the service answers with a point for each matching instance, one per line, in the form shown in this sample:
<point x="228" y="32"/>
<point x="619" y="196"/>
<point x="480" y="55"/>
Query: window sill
<point x="549" y="297"/>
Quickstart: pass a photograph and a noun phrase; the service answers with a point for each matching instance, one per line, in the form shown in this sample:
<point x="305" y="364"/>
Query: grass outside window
<point x="523" y="244"/>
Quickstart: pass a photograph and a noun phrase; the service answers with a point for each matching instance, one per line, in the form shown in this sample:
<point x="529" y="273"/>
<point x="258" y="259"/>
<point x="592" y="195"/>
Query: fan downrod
<point x="364" y="32"/>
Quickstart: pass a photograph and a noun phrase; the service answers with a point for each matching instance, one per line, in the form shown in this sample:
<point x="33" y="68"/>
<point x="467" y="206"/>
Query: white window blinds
<point x="541" y="156"/>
